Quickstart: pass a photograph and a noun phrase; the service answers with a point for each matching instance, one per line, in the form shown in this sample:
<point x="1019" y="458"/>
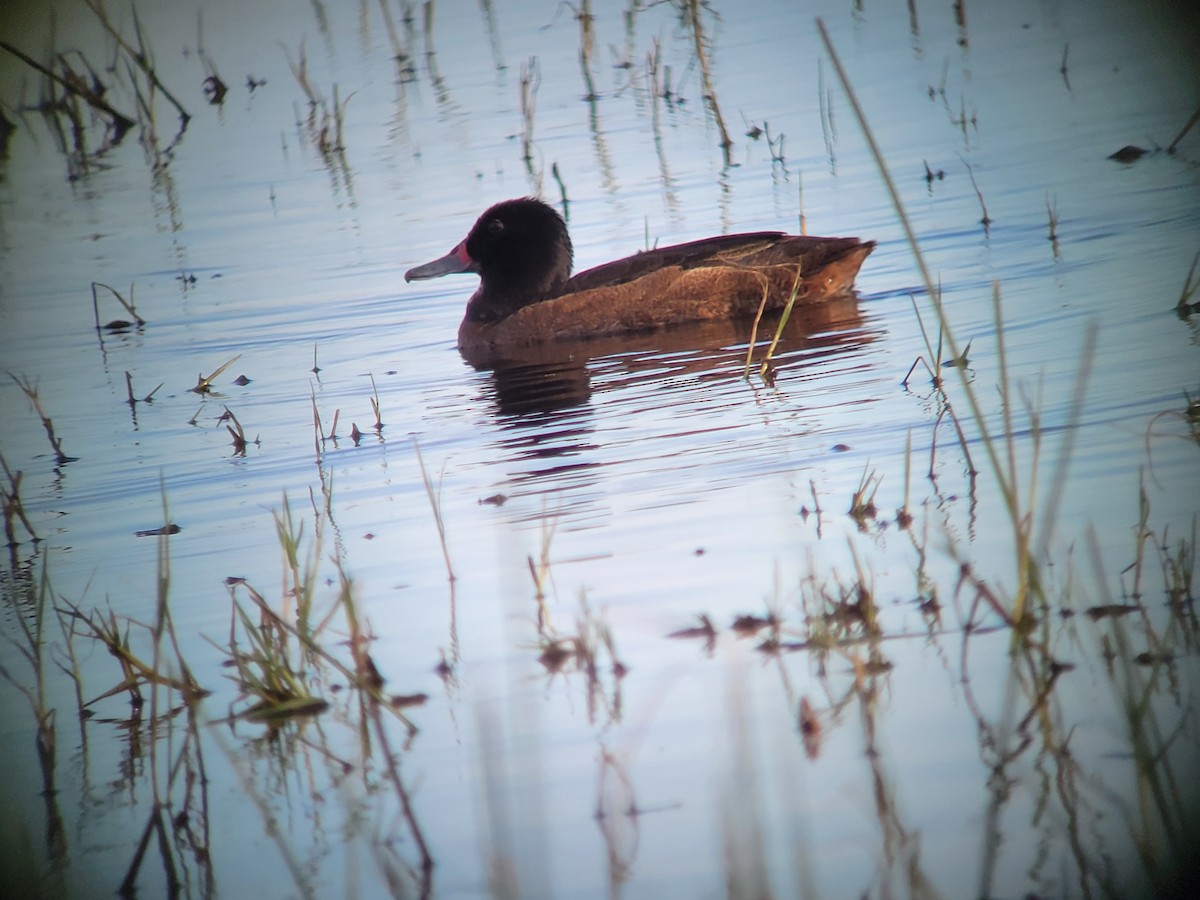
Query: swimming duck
<point x="522" y="253"/>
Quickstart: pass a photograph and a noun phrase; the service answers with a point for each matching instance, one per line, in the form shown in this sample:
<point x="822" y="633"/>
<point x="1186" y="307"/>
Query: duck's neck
<point x="502" y="294"/>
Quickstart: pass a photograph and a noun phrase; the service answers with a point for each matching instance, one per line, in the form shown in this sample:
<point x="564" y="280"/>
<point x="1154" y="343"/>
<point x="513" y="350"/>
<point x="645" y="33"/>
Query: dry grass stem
<point x="1191" y="123"/>
<point x="1190" y="285"/>
<point x="531" y="79"/>
<point x="586" y="45"/>
<point x="986" y="221"/>
<point x="140" y="55"/>
<point x="204" y="383"/>
<point x="435" y="504"/>
<point x="710" y="91"/>
<point x="29" y="389"/>
<point x="14" y="510"/>
<point x="77" y="87"/>
<point x="378" y="426"/>
<point x="127" y="305"/>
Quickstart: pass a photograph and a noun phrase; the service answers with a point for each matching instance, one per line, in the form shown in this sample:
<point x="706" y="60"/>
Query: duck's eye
<point x="495" y="226"/>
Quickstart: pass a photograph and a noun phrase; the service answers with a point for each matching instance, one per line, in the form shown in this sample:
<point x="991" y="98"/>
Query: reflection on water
<point x="548" y="377"/>
<point x="556" y="431"/>
<point x="788" y="634"/>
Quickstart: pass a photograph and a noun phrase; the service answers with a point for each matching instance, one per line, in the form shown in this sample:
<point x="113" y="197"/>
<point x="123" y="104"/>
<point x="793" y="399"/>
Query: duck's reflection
<point x="544" y="396"/>
<point x="549" y="377"/>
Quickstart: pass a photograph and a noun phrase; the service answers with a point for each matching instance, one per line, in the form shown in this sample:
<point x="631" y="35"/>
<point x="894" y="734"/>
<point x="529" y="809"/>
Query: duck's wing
<point x="728" y="249"/>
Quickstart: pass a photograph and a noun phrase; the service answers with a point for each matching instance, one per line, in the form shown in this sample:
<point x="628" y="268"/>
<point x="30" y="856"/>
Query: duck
<point x="521" y="251"/>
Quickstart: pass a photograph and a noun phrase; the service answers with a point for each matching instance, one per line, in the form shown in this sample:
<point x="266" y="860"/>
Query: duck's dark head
<point x="521" y="251"/>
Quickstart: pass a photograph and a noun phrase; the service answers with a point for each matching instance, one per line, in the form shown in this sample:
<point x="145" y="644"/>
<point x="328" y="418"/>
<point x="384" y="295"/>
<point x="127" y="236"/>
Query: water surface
<point x="637" y="484"/>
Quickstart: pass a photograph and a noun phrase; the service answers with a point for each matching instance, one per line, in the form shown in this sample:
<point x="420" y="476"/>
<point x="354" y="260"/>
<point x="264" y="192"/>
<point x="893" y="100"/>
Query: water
<point x="642" y="483"/>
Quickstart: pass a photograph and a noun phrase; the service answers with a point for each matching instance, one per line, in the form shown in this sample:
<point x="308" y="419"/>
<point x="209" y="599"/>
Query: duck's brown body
<point x="522" y="252"/>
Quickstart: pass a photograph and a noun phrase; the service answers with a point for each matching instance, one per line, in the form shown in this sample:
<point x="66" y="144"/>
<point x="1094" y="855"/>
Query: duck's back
<point x="726" y="249"/>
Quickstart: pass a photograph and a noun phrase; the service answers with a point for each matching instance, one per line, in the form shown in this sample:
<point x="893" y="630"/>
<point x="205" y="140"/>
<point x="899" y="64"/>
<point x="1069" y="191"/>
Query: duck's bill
<point x="457" y="260"/>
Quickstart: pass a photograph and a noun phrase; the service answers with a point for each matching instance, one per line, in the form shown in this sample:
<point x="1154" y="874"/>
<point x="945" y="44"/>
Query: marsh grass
<point x="325" y="124"/>
<point x="31" y="604"/>
<point x="1185" y="308"/>
<point x="862" y="504"/>
<point x="765" y="369"/>
<point x="1183" y="132"/>
<point x="539" y="571"/>
<point x="286" y="664"/>
<point x="658" y="75"/>
<point x="14" y="509"/>
<point x="1162" y="825"/>
<point x="133" y="400"/>
<point x="784" y="317"/>
<point x="72" y="134"/>
<point x="1052" y="216"/>
<point x="1030" y="719"/>
<point x="435" y="504"/>
<point x="204" y="382"/>
<point x="378" y="424"/>
<point x="903" y="514"/>
<point x="320" y="438"/>
<point x="30" y="390"/>
<point x="236" y="432"/>
<point x="562" y="191"/>
<point x="129" y="306"/>
<point x="710" y="92"/>
<point x="530" y="81"/>
<point x="283" y="661"/>
<point x="986" y="220"/>
<point x="587" y="43"/>
<point x="142" y="55"/>
<point x="75" y="97"/>
<point x="269" y="665"/>
<point x="1001" y="451"/>
<point x="589" y="650"/>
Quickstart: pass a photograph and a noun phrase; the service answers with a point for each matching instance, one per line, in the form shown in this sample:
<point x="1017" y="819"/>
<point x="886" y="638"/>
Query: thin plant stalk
<point x="436" y="504"/>
<point x="783" y="320"/>
<point x="710" y="91"/>
<point x="1004" y="483"/>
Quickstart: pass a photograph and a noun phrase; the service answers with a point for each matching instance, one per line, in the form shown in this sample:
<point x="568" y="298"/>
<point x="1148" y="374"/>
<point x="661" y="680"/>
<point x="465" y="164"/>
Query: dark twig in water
<point x="236" y="432"/>
<point x="531" y="78"/>
<point x="10" y="497"/>
<point x="562" y="190"/>
<point x="828" y="128"/>
<point x="121" y="122"/>
<point x="960" y="19"/>
<point x="1052" y="212"/>
<point x="800" y="202"/>
<point x="29" y="389"/>
<point x="375" y="405"/>
<point x="204" y="384"/>
<point x="986" y="221"/>
<point x="435" y="502"/>
<point x="914" y="25"/>
<point x="1186" y="128"/>
<point x="141" y="55"/>
<point x="1185" y="307"/>
<point x="134" y="401"/>
<point x="129" y="306"/>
